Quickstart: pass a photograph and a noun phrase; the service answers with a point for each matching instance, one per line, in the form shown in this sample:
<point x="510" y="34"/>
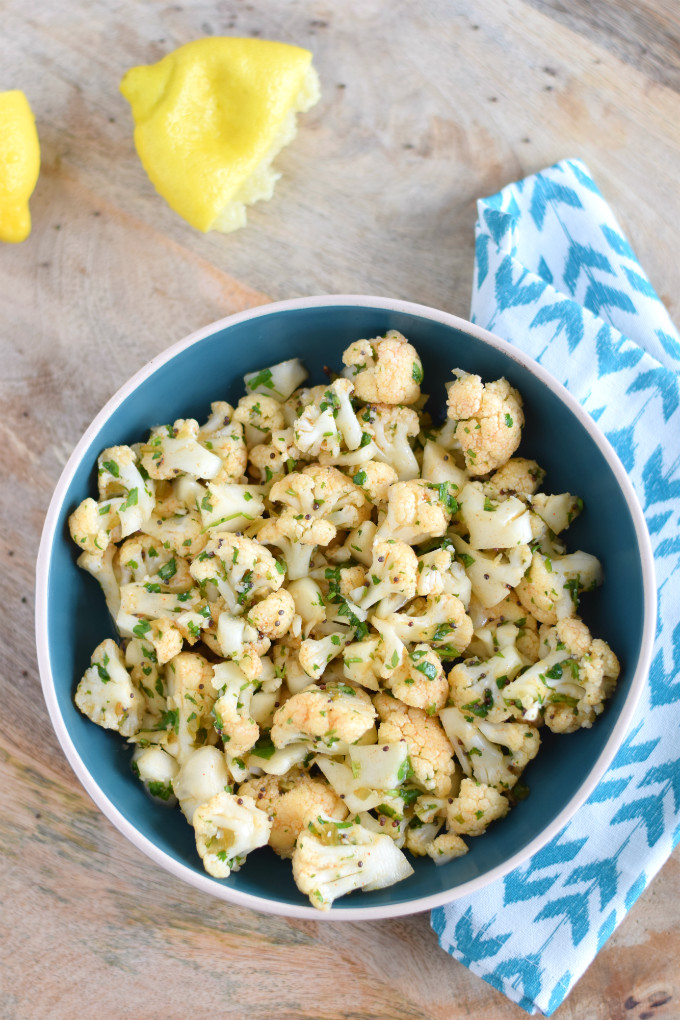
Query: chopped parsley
<point x="263" y="378"/>
<point x="168" y="570"/>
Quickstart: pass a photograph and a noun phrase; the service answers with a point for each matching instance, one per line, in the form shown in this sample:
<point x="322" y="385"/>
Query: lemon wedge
<point x="211" y="116"/>
<point x="19" y="165"/>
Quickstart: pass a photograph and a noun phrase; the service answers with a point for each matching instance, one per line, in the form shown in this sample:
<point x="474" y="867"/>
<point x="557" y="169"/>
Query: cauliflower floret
<point x="315" y="431"/>
<point x="273" y="616"/>
<point x="119" y="475"/>
<point x="385" y="370"/>
<point x="328" y="423"/>
<point x="375" y="478"/>
<point x="288" y="667"/>
<point x="369" y="777"/>
<point x="142" y="663"/>
<point x="223" y="436"/>
<point x="415" y="512"/>
<point x="230" y="506"/>
<point x="557" y="510"/>
<point x="278" y="381"/>
<point x="518" y="475"/>
<point x="318" y="501"/>
<point x="101" y="567"/>
<point x="390" y="429"/>
<point x="231" y="711"/>
<point x="227" y="828"/>
<point x="296" y="555"/>
<point x="273" y="459"/>
<point x="385" y="437"/>
<point x="420" y="681"/>
<point x="190" y="697"/>
<point x="201" y="776"/>
<point x="439" y="465"/>
<point x="106" y="693"/>
<point x="175" y="449"/>
<point x="315" y="655"/>
<point x="428" y="808"/>
<point x="419" y="836"/>
<point x="439" y="572"/>
<point x="492" y="523"/>
<point x="492" y="575"/>
<point x="570" y="683"/>
<point x="508" y="610"/>
<point x="164" y="635"/>
<point x="288" y="800"/>
<point x="362" y="661"/>
<point x="259" y="416"/>
<point x="238" y="570"/>
<point x="182" y="532"/>
<point x="494" y="753"/>
<point x="89" y="527"/>
<point x="446" y="848"/>
<point x="429" y="750"/>
<point x="475" y="807"/>
<point x="358" y="545"/>
<point x="478" y="687"/>
<point x="391" y="579"/>
<point x="323" y="714"/>
<point x="146" y="600"/>
<point x="551" y="586"/>
<point x="141" y="559"/>
<point x="297" y="402"/>
<point x="308" y="602"/>
<point x="238" y="640"/>
<point x="333" y="858"/>
<point x="156" y="769"/>
<point x="438" y="620"/>
<point x="490" y="420"/>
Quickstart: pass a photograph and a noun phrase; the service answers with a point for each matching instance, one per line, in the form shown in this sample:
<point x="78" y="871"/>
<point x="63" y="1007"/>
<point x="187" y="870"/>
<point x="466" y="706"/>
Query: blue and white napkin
<point x="555" y="276"/>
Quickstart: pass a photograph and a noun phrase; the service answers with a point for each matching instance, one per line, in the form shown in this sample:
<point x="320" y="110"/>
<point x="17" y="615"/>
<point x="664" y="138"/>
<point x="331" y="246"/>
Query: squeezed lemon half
<point x="19" y="165"/>
<point x="211" y="116"/>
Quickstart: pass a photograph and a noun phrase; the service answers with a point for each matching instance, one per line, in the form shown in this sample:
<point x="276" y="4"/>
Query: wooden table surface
<point x="426" y="106"/>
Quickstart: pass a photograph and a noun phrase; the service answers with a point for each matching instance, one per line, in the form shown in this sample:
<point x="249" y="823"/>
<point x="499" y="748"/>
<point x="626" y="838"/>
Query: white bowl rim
<point x="204" y="882"/>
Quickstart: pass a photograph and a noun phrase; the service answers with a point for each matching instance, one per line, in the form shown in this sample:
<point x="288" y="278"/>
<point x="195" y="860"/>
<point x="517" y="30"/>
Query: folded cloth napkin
<point x="555" y="276"/>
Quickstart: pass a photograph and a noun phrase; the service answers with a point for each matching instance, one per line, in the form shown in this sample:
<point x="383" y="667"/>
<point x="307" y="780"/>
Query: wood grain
<point x="644" y="34"/>
<point x="425" y="108"/>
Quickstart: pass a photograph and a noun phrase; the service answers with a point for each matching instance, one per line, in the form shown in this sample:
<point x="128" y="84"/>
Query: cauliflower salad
<point x="342" y="628"/>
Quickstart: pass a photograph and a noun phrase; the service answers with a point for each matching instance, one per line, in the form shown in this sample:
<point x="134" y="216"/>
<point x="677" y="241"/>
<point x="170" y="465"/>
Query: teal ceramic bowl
<point x="71" y="617"/>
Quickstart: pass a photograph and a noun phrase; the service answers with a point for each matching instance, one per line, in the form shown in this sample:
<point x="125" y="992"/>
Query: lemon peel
<point x="211" y="116"/>
<point x="19" y="165"/>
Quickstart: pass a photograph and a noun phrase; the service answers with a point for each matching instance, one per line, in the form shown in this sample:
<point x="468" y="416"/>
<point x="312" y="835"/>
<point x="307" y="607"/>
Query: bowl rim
<point x="208" y="884"/>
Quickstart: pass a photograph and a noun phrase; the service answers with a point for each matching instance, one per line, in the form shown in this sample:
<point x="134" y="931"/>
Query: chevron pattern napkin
<point x="555" y="275"/>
